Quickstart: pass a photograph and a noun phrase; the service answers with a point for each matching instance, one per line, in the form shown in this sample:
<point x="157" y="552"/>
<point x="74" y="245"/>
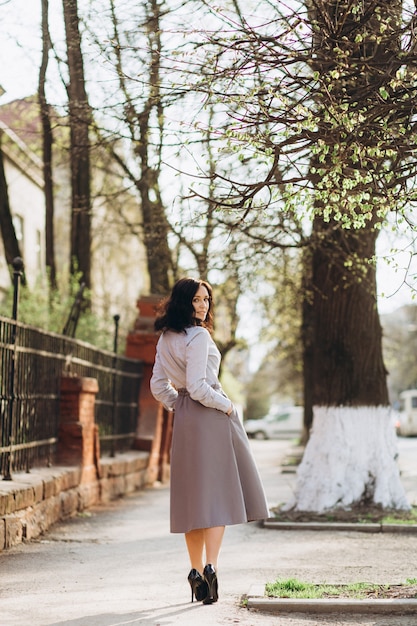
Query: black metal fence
<point x="32" y="363"/>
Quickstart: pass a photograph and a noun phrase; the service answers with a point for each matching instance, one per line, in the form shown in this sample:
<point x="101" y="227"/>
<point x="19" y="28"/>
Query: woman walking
<point x="214" y="480"/>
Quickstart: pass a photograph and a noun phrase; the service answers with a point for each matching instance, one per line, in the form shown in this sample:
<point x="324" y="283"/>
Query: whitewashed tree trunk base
<point x="349" y="459"/>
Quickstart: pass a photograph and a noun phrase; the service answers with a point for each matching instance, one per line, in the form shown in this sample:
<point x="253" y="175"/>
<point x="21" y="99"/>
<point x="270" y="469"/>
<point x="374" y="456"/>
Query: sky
<point x="19" y="23"/>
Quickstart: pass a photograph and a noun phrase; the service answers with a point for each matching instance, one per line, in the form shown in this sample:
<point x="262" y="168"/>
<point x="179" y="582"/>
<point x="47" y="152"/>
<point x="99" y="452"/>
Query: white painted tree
<point x="351" y="455"/>
<point x="320" y="96"/>
<point x="350" y="458"/>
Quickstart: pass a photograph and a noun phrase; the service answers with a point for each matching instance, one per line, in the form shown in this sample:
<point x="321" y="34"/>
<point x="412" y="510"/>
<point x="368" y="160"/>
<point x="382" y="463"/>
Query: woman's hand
<point x="229" y="411"/>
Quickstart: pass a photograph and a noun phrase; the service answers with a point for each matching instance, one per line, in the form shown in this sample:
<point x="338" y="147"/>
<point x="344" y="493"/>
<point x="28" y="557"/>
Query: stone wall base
<point x="31" y="503"/>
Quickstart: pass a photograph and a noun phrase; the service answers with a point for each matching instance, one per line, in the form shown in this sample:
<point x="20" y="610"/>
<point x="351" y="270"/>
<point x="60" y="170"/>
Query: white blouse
<point x="188" y="360"/>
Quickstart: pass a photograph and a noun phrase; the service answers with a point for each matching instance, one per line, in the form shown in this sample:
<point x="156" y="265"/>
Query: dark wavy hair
<point x="177" y="313"/>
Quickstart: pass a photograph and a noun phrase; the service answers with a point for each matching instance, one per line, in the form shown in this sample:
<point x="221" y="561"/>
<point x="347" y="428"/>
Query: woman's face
<point x="201" y="303"/>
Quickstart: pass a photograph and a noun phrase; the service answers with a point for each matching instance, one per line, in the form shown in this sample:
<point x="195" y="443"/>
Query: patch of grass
<point x="291" y="461"/>
<point x="293" y="588"/>
<point x="408" y="517"/>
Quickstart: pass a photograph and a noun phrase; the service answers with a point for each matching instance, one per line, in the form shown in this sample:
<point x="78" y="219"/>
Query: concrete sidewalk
<point x="118" y="564"/>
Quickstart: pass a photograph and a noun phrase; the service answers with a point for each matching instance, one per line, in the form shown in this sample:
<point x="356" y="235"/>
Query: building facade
<point x="119" y="272"/>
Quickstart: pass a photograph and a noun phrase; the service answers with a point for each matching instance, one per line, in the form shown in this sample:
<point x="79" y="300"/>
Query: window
<point x="18" y="224"/>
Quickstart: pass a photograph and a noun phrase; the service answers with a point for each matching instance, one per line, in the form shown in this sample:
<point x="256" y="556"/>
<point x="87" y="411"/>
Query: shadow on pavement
<point x="147" y="617"/>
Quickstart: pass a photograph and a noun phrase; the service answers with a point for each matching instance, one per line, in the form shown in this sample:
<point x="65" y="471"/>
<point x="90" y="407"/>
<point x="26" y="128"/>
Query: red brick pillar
<point x="78" y="441"/>
<point x="153" y="432"/>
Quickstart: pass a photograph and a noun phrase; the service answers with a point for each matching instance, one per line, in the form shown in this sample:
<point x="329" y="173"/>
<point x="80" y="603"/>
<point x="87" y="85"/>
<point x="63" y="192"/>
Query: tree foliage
<point x="252" y="131"/>
<point x="319" y="99"/>
<point x="322" y="103"/>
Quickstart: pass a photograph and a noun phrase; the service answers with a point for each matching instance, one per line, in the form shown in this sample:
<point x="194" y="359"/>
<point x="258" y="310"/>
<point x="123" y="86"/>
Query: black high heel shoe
<point x="198" y="585"/>
<point x="210" y="577"/>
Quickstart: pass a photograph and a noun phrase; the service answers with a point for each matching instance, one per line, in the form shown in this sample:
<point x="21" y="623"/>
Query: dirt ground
<point x="359" y="514"/>
<point x="394" y="591"/>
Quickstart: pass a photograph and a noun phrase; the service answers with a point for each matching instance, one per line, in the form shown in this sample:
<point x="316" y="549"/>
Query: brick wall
<point x="32" y="502"/>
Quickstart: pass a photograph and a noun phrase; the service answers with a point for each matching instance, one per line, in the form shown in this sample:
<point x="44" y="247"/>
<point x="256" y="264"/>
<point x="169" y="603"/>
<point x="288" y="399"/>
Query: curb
<point x="355" y="527"/>
<point x="256" y="599"/>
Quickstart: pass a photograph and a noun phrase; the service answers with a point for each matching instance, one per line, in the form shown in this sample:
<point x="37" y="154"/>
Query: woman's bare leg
<point x="208" y="538"/>
<point x="195" y="546"/>
<point x="213" y="538"/>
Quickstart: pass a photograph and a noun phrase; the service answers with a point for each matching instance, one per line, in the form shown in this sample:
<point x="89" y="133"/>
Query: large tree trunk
<point x="8" y="233"/>
<point x="80" y="118"/>
<point x="145" y="120"/>
<point x="350" y="458"/>
<point x="347" y="363"/>
<point x="155" y="223"/>
<point x="47" y="140"/>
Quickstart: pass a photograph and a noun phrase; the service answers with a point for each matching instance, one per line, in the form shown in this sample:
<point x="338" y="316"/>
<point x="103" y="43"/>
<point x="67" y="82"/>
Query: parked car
<point x="406" y="424"/>
<point x="282" y="422"/>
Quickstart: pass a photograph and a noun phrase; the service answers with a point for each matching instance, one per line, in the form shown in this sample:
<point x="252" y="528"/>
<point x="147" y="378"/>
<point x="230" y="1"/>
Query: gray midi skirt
<point x="214" y="479"/>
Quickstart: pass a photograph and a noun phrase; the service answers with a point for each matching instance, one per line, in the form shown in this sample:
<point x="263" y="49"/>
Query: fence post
<point x="116" y="319"/>
<point x="78" y="442"/>
<point x="153" y="432"/>
<point x="18" y="267"/>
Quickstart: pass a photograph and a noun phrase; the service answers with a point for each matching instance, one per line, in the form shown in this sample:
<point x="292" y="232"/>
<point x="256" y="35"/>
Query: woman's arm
<point x="196" y="372"/>
<point x="161" y="387"/>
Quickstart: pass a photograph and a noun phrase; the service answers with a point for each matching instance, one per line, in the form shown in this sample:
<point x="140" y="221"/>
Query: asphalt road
<point x="118" y="564"/>
<point x="407" y="447"/>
